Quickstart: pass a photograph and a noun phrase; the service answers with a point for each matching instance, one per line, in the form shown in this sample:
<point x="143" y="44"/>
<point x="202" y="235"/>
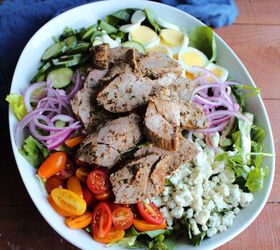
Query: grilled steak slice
<point x="105" y="146"/>
<point x="93" y="78"/>
<point x="193" y="117"/>
<point x="162" y="124"/>
<point x="115" y="71"/>
<point x="154" y="65"/>
<point x="140" y="179"/>
<point x="185" y="152"/>
<point x="130" y="90"/>
<point x="100" y="56"/>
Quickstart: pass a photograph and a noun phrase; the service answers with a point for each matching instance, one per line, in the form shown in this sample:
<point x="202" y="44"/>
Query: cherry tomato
<point x="80" y="221"/>
<point x="53" y="183"/>
<point x="105" y="196"/>
<point x="88" y="196"/>
<point x="134" y="210"/>
<point x="67" y="171"/>
<point x="114" y="235"/>
<point x="98" y="182"/>
<point x="52" y="165"/>
<point x="142" y="225"/>
<point x="72" y="142"/>
<point x="82" y="174"/>
<point x="74" y="184"/>
<point x="150" y="212"/>
<point x="112" y="204"/>
<point x="79" y="163"/>
<point x="122" y="217"/>
<point x="57" y="208"/>
<point x="101" y="220"/>
<point x="69" y="201"/>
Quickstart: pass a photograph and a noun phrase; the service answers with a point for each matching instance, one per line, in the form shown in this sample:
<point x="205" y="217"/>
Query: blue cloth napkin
<point x="20" y="19"/>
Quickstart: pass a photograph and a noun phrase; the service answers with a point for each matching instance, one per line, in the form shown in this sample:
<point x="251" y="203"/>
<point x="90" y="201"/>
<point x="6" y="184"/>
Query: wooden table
<point x="255" y="38"/>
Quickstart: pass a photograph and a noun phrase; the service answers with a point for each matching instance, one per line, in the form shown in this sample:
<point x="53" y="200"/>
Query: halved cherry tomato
<point x="114" y="235"/>
<point x="98" y="182"/>
<point x="52" y="165"/>
<point x="80" y="221"/>
<point x="112" y="204"/>
<point x="82" y="174"/>
<point x="53" y="183"/>
<point x="74" y="184"/>
<point x="67" y="171"/>
<point x="101" y="220"/>
<point x="57" y="208"/>
<point x="142" y="225"/>
<point x="69" y="201"/>
<point x="122" y="217"/>
<point x="150" y="212"/>
<point x="105" y="196"/>
<point x="88" y="196"/>
<point x="134" y="209"/>
<point x="72" y="142"/>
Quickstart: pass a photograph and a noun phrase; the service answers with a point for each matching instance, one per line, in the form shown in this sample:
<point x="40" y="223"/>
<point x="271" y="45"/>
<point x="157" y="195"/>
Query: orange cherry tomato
<point x="53" y="183"/>
<point x="105" y="196"/>
<point x="122" y="217"/>
<point x="74" y="184"/>
<point x="57" y="208"/>
<point x="72" y="142"/>
<point x="142" y="225"/>
<point x="82" y="174"/>
<point x="150" y="212"/>
<point x="80" y="221"/>
<point x="114" y="235"/>
<point x="69" y="201"/>
<point x="52" y="165"/>
<point x="98" y="182"/>
<point x="101" y="220"/>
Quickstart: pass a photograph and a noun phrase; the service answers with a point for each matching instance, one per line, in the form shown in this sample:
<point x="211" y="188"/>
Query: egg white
<point x="224" y="75"/>
<point x="129" y="27"/>
<point x="138" y="17"/>
<point x="167" y="25"/>
<point x="169" y="52"/>
<point x="190" y="49"/>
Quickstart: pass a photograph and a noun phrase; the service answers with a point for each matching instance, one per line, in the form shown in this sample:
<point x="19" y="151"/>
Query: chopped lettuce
<point x="255" y="179"/>
<point x="16" y="101"/>
<point x="151" y="17"/>
<point x="202" y="38"/>
<point x="33" y="151"/>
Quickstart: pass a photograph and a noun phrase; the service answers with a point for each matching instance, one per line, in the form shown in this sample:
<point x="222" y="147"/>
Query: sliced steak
<point x="105" y="146"/>
<point x="185" y="152"/>
<point x="162" y="124"/>
<point x="130" y="90"/>
<point x="100" y="56"/>
<point x="86" y="110"/>
<point x="140" y="179"/>
<point x="193" y="117"/>
<point x="115" y="71"/>
<point x="154" y="65"/>
<point x="93" y="78"/>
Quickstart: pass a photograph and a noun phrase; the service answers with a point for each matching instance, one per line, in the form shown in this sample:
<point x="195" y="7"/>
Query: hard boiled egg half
<point x="189" y="57"/>
<point x="219" y="71"/>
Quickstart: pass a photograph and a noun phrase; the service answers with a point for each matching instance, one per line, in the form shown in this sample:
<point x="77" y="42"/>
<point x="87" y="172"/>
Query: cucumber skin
<point x="61" y="77"/>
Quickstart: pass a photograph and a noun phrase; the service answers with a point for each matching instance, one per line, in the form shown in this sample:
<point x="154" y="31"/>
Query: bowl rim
<point x="269" y="132"/>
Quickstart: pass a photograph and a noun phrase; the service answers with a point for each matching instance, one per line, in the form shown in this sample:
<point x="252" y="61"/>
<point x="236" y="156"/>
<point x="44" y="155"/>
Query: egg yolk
<point x="217" y="71"/>
<point x="171" y="38"/>
<point x="143" y="34"/>
<point x="158" y="49"/>
<point x="192" y="58"/>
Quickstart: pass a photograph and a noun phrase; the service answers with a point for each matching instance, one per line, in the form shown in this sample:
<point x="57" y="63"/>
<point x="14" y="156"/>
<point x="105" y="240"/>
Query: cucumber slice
<point x="81" y="47"/>
<point x="135" y="45"/>
<point x="97" y="42"/>
<point x="70" y="42"/>
<point x="67" y="63"/>
<point x="52" y="51"/>
<point x="69" y="57"/>
<point x="89" y="31"/>
<point x="94" y="35"/>
<point x="41" y="78"/>
<point x="41" y="71"/>
<point x="61" y="77"/>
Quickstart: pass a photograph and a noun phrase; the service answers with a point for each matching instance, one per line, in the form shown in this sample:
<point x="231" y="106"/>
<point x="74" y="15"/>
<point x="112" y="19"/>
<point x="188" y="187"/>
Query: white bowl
<point x="84" y="16"/>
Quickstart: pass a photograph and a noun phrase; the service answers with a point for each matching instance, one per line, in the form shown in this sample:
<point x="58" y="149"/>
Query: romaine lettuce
<point x="16" y="101"/>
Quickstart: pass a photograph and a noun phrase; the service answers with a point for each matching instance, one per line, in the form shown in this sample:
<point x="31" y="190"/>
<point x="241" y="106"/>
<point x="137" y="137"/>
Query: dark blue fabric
<point x="20" y="19"/>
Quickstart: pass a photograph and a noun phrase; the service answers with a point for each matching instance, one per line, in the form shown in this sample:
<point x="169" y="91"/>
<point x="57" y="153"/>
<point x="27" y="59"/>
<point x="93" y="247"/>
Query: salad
<point x="138" y="135"/>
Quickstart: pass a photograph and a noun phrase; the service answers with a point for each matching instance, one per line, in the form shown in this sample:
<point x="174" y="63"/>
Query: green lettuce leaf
<point x="255" y="179"/>
<point x="16" y="101"/>
<point x="202" y="38"/>
<point x="33" y="151"/>
<point x="151" y="17"/>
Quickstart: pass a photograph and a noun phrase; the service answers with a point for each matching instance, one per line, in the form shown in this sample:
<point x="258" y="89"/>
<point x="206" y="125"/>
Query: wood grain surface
<point x="255" y="38"/>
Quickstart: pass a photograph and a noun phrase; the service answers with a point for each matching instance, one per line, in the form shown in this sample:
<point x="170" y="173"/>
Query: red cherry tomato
<point x="101" y="220"/>
<point x="88" y="196"/>
<point x="79" y="163"/>
<point x="67" y="171"/>
<point x="98" y="182"/>
<point x="150" y="212"/>
<point x="122" y="217"/>
<point x="104" y="197"/>
<point x="134" y="210"/>
<point x="54" y="182"/>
